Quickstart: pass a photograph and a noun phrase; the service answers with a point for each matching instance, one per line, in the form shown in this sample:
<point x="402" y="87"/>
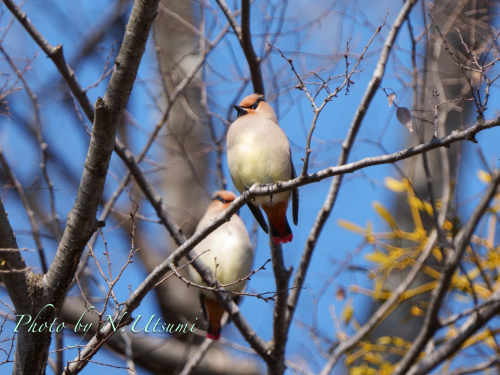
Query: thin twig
<point x="27" y="207"/>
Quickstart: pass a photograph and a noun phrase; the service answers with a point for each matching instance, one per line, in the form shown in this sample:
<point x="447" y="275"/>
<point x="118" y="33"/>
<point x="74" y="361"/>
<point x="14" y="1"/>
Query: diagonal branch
<point x="185" y="246"/>
<point x="470" y="327"/>
<point x="154" y="354"/>
<point x="56" y="55"/>
<point x="88" y="192"/>
<point x="154" y="277"/>
<point x="346" y="149"/>
<point x="247" y="46"/>
<point x="456" y="136"/>
<point x="282" y="277"/>
<point x="245" y="38"/>
<point x="109" y="110"/>
<point x="27" y="207"/>
<point x="170" y="263"/>
<point x="431" y="325"/>
<point x="16" y="281"/>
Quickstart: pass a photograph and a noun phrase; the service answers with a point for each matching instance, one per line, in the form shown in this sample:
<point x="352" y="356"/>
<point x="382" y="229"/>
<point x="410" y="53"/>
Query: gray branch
<point x="15" y="281"/>
<point x="245" y="38"/>
<point x="346" y="149"/>
<point x="469" y="328"/>
<point x="159" y="354"/>
<point x="31" y="215"/>
<point x="32" y="351"/>
<point x="431" y="324"/>
<point x="256" y="342"/>
<point x="109" y="110"/>
<point x="56" y="55"/>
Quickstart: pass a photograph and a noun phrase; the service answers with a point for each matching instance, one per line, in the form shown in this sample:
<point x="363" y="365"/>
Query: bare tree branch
<point x="247" y="46"/>
<point x="456" y="136"/>
<point x="256" y="190"/>
<point x="346" y="148"/>
<point x="458" y="247"/>
<point x="183" y="250"/>
<point x="282" y="277"/>
<point x="157" y="354"/>
<point x="245" y="38"/>
<point x="471" y="326"/>
<point x="27" y="207"/>
<point x="195" y="360"/>
<point x="15" y="282"/>
<point x="56" y="55"/>
<point x="476" y="368"/>
<point x="81" y="220"/>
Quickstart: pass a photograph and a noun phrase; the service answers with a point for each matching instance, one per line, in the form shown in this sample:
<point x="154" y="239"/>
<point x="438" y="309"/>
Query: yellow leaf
<point x="369" y="232"/>
<point x="437" y="254"/>
<point x="490" y="342"/>
<point x="460" y="282"/>
<point x="347" y="314"/>
<point x="428" y="208"/>
<point x="395" y="185"/>
<point x="378" y="287"/>
<point x="356" y="325"/>
<point x="349" y="359"/>
<point x="417" y="311"/>
<point x="431" y="272"/>
<point x="448" y="225"/>
<point x="451" y="332"/>
<point x="415" y="206"/>
<point x="481" y="291"/>
<point x="484" y="176"/>
<point x="439" y="204"/>
<point x="362" y="370"/>
<point x="418" y="290"/>
<point x="371" y="358"/>
<point x="369" y="228"/>
<point x="377" y="257"/>
<point x="473" y="273"/>
<point x="385" y="213"/>
<point x="350" y="226"/>
<point x="357" y="371"/>
<point x="398" y="341"/>
<point x="384" y="340"/>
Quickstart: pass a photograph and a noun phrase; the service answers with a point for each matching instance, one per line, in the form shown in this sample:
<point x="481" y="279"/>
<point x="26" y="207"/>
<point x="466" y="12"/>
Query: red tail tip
<point x="213" y="336"/>
<point x="278" y="240"/>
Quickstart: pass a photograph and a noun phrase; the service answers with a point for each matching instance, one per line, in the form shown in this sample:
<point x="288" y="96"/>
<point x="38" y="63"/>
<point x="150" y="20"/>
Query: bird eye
<point x="219" y="198"/>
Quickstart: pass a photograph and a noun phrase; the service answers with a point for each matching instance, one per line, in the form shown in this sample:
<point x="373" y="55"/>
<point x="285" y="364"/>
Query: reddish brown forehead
<point x="250" y="99"/>
<point x="228" y="196"/>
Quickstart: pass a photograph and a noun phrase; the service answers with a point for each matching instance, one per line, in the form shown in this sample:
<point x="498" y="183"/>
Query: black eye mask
<point x="219" y="198"/>
<point x="256" y="104"/>
<point x="242" y="111"/>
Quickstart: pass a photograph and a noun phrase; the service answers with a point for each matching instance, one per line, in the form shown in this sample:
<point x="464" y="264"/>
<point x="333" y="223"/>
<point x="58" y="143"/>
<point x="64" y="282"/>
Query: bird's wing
<point x="257" y="213"/>
<point x="295" y="197"/>
<point x="203" y="306"/>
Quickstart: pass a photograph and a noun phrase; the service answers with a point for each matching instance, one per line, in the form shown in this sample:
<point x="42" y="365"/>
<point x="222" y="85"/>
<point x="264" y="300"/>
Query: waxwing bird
<point x="258" y="151"/>
<point x="231" y="246"/>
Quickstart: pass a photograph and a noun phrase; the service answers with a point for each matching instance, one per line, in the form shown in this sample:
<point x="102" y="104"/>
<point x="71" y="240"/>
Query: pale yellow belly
<point x="252" y="160"/>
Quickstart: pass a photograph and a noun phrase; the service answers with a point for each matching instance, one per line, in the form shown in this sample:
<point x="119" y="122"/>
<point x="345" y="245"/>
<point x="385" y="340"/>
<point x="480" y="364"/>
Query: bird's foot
<point x="245" y="193"/>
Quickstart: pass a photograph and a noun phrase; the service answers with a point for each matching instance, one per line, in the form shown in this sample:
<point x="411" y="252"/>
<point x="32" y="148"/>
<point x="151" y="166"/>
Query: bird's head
<point x="223" y="198"/>
<point x="256" y="105"/>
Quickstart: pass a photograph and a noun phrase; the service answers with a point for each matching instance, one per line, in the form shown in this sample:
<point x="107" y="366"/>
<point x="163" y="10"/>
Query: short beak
<point x="241" y="111"/>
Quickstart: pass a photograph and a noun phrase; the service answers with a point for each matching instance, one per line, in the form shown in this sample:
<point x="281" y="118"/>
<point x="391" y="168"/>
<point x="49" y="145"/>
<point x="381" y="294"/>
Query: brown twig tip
<point x="99" y="104"/>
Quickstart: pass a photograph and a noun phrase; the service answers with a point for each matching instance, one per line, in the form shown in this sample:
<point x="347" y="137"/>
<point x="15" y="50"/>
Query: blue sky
<point x="328" y="37"/>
